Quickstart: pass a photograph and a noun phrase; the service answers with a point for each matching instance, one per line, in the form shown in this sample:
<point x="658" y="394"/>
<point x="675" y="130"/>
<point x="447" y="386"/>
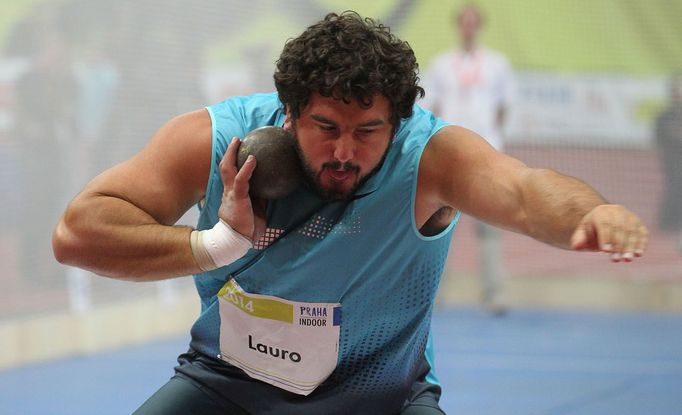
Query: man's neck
<point x="469" y="47"/>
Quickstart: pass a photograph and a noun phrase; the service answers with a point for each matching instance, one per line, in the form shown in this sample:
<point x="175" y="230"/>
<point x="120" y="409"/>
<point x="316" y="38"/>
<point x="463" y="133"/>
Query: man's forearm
<point x="113" y="238"/>
<point x="555" y="204"/>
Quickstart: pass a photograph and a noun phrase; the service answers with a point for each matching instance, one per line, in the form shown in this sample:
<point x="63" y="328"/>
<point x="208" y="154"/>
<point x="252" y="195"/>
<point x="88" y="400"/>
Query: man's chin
<point x="331" y="190"/>
<point x="334" y="191"/>
<point x="334" y="194"/>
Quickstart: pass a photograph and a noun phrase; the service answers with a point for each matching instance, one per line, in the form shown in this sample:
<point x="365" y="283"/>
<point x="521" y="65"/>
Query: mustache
<point x="337" y="165"/>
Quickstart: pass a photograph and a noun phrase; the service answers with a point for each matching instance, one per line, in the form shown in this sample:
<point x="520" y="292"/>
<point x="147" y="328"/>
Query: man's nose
<point x="344" y="148"/>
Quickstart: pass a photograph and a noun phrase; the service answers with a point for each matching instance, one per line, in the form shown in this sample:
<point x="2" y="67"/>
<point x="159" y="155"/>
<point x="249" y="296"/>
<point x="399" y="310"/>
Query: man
<point x="668" y="132"/>
<point x="471" y="86"/>
<point x="331" y="313"/>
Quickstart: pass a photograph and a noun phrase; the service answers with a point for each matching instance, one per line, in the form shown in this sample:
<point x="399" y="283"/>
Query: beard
<point x="335" y="191"/>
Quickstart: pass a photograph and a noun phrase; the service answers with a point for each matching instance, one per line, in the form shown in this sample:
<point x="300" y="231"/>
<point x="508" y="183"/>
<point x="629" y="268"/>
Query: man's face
<point x="341" y="145"/>
<point x="469" y="24"/>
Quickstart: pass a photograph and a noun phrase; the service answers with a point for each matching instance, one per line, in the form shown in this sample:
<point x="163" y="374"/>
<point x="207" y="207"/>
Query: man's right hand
<point x="237" y="208"/>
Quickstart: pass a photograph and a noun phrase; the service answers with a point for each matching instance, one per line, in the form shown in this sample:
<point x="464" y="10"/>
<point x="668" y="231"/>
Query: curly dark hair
<point x="348" y="57"/>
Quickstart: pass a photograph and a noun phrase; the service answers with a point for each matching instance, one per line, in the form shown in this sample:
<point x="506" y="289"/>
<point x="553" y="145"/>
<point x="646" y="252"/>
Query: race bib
<point x="288" y="344"/>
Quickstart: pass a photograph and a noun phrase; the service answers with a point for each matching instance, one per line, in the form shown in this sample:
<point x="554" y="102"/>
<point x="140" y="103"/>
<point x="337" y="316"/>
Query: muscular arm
<point x="121" y="224"/>
<point x="553" y="205"/>
<point x="548" y="206"/>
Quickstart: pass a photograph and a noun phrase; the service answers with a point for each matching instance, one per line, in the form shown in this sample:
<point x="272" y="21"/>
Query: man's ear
<point x="287" y="121"/>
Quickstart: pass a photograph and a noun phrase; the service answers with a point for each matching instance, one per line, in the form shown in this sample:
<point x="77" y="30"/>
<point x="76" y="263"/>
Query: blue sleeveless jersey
<point x="366" y="254"/>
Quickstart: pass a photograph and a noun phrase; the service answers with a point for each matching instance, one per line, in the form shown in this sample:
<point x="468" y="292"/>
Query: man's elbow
<point x="64" y="246"/>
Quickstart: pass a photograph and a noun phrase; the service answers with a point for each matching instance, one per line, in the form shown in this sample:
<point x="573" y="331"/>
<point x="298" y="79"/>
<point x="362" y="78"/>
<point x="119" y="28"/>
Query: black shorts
<point x="183" y="394"/>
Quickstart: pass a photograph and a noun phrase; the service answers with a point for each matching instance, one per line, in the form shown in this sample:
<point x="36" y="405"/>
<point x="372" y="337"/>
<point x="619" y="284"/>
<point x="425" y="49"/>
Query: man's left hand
<point x="612" y="229"/>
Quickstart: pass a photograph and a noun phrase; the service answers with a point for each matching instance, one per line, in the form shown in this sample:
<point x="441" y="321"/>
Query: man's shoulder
<point x="422" y="123"/>
<point x="257" y="109"/>
<point x="238" y="115"/>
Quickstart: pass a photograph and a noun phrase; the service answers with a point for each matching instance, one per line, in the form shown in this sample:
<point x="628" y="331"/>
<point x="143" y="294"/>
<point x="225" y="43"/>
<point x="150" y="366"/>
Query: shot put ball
<point x="278" y="169"/>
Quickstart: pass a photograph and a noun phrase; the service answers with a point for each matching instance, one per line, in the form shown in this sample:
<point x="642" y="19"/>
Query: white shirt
<point x="467" y="89"/>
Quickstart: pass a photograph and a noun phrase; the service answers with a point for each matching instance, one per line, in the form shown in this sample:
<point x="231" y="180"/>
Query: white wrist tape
<point x="218" y="246"/>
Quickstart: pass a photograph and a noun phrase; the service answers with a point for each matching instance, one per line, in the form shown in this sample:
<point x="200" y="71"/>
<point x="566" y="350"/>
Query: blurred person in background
<point x="44" y="129"/>
<point x="471" y="86"/>
<point x="668" y="132"/>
